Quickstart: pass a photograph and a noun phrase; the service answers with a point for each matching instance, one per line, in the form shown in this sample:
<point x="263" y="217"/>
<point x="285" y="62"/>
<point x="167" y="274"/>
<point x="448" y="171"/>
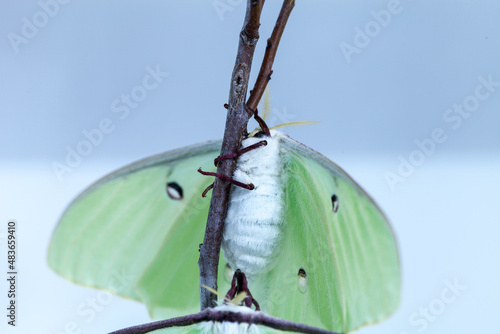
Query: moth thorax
<point x="253" y="226"/>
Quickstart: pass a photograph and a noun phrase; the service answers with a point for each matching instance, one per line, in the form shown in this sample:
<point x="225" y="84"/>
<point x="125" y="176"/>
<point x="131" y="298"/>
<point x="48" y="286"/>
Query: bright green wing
<point x="127" y="235"/>
<point x="349" y="256"/>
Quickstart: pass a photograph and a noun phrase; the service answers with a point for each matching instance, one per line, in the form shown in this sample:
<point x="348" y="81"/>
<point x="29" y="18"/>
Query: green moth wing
<point x="339" y="242"/>
<point x="127" y="235"/>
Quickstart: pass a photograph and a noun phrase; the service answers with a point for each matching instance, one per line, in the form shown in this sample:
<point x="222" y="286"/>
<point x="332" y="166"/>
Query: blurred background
<point x="407" y="92"/>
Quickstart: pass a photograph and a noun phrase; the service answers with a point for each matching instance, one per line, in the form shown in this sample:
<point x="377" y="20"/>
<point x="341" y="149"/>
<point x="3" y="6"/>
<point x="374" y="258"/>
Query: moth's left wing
<point x="127" y="235"/>
<point x="340" y="239"/>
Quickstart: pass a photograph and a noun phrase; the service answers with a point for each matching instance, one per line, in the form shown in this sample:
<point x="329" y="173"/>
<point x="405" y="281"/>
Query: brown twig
<point x="271" y="48"/>
<point x="236" y="124"/>
<point x="257" y="318"/>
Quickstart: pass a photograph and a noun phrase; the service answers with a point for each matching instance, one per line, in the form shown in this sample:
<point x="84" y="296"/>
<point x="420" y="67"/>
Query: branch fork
<point x="237" y="118"/>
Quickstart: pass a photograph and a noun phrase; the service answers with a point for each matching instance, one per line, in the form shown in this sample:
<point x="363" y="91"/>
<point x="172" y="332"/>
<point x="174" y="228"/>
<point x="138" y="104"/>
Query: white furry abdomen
<point x="253" y="225"/>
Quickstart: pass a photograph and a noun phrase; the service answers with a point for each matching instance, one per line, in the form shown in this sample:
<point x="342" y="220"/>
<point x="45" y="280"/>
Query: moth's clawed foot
<point x="249" y="186"/>
<point x="240" y="152"/>
<point x="223" y="177"/>
<point x="261" y="122"/>
<point x="239" y="284"/>
<point x="207" y="189"/>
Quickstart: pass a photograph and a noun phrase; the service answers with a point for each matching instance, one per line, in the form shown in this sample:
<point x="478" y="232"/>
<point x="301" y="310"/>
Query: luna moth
<point x="316" y="248"/>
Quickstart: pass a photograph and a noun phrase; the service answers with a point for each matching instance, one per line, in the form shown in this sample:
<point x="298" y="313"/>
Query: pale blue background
<point x="372" y="110"/>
